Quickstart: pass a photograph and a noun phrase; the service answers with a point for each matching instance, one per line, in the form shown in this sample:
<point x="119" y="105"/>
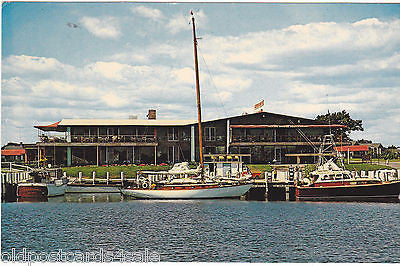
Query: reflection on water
<point x="78" y="198"/>
<point x="207" y="230"/>
<point x="41" y="199"/>
<point x="93" y="197"/>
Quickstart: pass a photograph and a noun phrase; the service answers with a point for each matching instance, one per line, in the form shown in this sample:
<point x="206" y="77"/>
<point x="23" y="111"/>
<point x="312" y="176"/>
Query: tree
<point x="341" y="118"/>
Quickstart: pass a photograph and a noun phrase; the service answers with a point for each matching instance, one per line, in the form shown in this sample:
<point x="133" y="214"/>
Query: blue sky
<point x="111" y="60"/>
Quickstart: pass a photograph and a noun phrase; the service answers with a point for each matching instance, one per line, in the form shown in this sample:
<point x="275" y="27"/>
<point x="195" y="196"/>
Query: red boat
<point x="331" y="183"/>
<point x="41" y="186"/>
<point x="32" y="190"/>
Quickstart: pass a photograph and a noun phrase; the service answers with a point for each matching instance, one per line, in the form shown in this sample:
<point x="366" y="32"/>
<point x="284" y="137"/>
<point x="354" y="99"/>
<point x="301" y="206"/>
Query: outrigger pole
<point x="196" y="67"/>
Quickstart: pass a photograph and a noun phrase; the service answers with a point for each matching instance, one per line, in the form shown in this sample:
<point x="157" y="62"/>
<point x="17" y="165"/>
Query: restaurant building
<point x="265" y="137"/>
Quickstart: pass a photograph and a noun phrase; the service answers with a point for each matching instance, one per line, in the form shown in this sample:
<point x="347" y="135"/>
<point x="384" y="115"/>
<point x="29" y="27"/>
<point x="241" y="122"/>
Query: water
<point x="207" y="230"/>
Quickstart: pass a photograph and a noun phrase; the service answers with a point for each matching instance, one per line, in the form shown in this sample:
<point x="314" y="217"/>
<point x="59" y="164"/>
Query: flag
<point x="259" y="105"/>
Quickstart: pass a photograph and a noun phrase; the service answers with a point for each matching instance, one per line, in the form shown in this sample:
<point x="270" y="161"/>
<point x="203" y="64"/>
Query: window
<point x="338" y="177"/>
<point x="220" y="149"/>
<point x="172" y="134"/>
<point x="209" y="150"/>
<point x="209" y="133"/>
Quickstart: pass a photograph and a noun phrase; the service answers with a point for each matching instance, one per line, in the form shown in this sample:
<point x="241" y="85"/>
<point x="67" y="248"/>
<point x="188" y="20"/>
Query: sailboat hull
<point x="201" y="193"/>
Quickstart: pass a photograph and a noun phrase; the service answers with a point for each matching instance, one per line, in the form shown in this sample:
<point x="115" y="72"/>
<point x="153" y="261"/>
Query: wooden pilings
<point x="9" y="183"/>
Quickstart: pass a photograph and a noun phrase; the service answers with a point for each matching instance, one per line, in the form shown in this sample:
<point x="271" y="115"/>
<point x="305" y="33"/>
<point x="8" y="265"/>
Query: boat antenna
<point x="196" y="67"/>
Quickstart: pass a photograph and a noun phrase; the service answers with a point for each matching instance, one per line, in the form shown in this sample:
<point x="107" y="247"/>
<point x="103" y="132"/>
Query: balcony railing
<point x="156" y="139"/>
<point x="101" y="139"/>
<point x="52" y="139"/>
<point x="214" y="138"/>
<point x="278" y="138"/>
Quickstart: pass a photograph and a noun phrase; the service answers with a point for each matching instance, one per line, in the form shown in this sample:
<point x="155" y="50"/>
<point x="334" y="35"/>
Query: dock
<point x="13" y="174"/>
<point x="275" y="186"/>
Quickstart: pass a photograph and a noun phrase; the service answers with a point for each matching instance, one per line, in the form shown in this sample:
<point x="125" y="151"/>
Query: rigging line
<point x="301" y="133"/>
<point x="212" y="81"/>
<point x="329" y="117"/>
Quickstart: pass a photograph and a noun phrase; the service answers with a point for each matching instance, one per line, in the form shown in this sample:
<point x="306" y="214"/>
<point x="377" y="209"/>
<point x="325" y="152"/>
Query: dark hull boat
<point x="351" y="191"/>
<point x="41" y="186"/>
<point x="332" y="183"/>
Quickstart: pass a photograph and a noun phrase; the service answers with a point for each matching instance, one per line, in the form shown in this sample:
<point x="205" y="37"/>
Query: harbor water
<point x="205" y="230"/>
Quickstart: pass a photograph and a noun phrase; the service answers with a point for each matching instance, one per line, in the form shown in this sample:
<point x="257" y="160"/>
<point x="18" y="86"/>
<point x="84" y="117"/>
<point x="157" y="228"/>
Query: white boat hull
<point x="205" y="193"/>
<point x="92" y="189"/>
<point x="54" y="190"/>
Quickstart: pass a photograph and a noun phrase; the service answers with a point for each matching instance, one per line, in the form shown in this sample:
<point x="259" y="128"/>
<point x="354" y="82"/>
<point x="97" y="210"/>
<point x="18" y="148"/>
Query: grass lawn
<point x="366" y="167"/>
<point x="260" y="167"/>
<point x="358" y="160"/>
<point x="130" y="170"/>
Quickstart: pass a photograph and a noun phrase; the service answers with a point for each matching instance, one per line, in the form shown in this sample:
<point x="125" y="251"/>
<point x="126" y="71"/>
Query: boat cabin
<point x="225" y="165"/>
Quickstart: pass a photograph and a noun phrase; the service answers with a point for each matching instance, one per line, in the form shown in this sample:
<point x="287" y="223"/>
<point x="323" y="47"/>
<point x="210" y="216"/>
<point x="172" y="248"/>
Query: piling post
<point x="266" y="185"/>
<point x="80" y="177"/>
<point x="94" y="176"/>
<point x="287" y="192"/>
<point x="122" y="178"/>
<point x="108" y="177"/>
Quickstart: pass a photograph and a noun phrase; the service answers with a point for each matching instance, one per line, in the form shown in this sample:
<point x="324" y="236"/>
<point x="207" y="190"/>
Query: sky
<point x="113" y="60"/>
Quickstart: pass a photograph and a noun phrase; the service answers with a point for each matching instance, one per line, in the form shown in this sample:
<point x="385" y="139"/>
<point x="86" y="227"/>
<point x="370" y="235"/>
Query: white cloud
<point x="185" y="75"/>
<point x="106" y="28"/>
<point x="180" y="22"/>
<point x="113" y="100"/>
<point x="277" y="45"/>
<point x="230" y="83"/>
<point x="110" y="70"/>
<point x="147" y="12"/>
<point x="301" y="70"/>
<point x="24" y="63"/>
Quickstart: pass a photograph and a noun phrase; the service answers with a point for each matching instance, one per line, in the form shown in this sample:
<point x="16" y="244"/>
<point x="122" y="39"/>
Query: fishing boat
<point x="329" y="182"/>
<point x="41" y="185"/>
<point x="184" y="184"/>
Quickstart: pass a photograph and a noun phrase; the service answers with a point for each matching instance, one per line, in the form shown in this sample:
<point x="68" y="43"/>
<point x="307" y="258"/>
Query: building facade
<point x="266" y="137"/>
<point x="19" y="152"/>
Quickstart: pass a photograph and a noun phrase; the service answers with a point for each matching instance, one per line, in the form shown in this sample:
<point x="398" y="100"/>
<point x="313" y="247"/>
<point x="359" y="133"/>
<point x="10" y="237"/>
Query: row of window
<point x="172" y="133"/>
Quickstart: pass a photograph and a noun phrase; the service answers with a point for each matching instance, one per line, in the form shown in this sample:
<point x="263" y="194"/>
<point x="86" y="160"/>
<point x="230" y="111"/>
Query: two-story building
<point x="267" y="137"/>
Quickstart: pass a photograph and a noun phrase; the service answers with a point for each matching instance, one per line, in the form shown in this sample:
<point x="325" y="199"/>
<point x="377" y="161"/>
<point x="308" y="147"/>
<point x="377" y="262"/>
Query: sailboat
<point x="189" y="184"/>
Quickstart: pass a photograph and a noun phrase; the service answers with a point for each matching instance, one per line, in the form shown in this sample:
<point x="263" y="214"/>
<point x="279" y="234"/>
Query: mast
<point x="196" y="67"/>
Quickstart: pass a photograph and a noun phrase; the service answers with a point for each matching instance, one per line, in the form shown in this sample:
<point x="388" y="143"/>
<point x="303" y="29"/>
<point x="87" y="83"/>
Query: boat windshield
<point x="346" y="176"/>
<point x="338" y="177"/>
<point x="326" y="177"/>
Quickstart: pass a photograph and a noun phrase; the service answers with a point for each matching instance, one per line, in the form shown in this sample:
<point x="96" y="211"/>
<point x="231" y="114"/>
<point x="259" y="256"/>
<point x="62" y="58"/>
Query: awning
<point x="51" y="127"/>
<point x="287" y="126"/>
<point x="352" y="148"/>
<point x="13" y="152"/>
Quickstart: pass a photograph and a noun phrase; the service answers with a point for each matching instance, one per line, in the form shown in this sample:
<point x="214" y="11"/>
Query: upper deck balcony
<point x="240" y="140"/>
<point x="98" y="140"/>
<point x="294" y="134"/>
